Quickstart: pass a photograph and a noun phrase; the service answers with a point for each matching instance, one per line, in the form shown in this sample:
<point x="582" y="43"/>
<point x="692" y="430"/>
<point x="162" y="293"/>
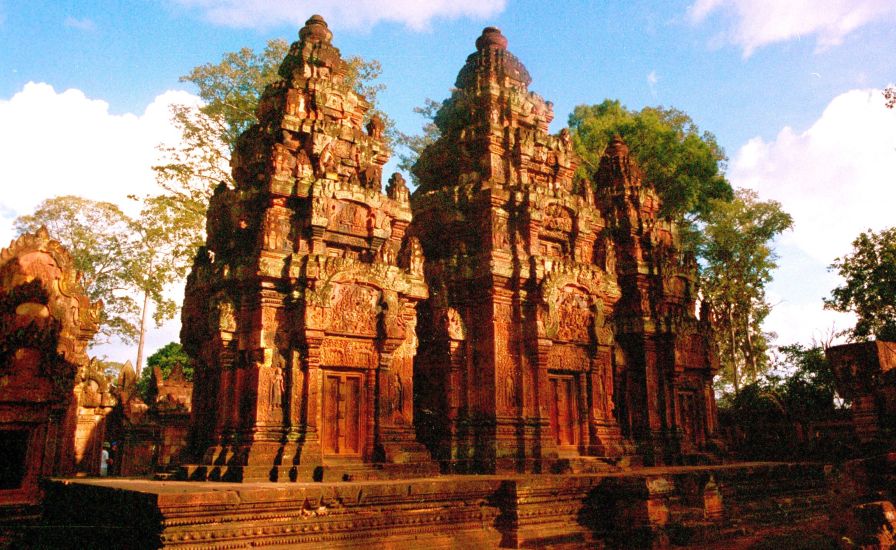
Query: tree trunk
<point x="733" y="349"/>
<point x="139" y="366"/>
<point x="751" y="356"/>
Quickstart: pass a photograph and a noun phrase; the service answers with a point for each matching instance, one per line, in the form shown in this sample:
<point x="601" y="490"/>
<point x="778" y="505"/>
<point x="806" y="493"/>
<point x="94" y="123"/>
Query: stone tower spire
<point x="494" y="131"/>
<point x="300" y="311"/>
<point x="669" y="363"/>
<point x="517" y="331"/>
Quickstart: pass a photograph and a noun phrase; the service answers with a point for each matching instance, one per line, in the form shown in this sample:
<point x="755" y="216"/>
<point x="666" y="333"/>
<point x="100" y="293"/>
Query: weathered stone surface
<point x="300" y="313"/>
<point x="95" y="399"/>
<point x="560" y="325"/>
<point x="865" y="373"/>
<point x="150" y="437"/>
<point x="873" y="526"/>
<point x="638" y="509"/>
<point x="46" y="322"/>
<point x="666" y="361"/>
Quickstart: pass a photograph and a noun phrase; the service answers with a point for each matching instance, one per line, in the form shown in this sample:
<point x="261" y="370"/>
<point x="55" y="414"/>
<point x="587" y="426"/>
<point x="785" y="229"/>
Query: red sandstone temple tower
<point x="666" y="361"/>
<point x="300" y="314"/>
<point x="515" y="368"/>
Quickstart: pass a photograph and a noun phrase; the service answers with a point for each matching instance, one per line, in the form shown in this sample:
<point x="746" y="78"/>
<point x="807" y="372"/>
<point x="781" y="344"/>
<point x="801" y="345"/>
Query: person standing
<point x="104" y="460"/>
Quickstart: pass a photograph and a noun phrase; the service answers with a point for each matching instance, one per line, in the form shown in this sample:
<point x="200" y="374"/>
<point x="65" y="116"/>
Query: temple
<point x="300" y="313"/>
<point x="666" y="360"/>
<point x="509" y="317"/>
<point x="52" y="402"/>
<point x="561" y="319"/>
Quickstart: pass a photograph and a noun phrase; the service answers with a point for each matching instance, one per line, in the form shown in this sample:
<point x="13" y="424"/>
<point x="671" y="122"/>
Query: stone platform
<point x="682" y="506"/>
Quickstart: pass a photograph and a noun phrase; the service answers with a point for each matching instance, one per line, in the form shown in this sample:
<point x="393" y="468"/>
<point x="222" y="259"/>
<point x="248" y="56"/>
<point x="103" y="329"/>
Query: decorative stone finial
<point x="491" y="38"/>
<point x="316" y="30"/>
<point x="617" y="147"/>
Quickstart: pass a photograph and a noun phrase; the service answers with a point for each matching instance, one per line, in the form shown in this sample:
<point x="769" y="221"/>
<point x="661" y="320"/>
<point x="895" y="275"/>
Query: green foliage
<point x="869" y="289"/>
<point x="98" y="237"/>
<point x="775" y="413"/>
<point x="413" y="145"/>
<point x="685" y="166"/>
<point x="111" y="369"/>
<point x="232" y="87"/>
<point x="738" y="260"/>
<point x="165" y="358"/>
<point x="807" y="386"/>
<point x="121" y="259"/>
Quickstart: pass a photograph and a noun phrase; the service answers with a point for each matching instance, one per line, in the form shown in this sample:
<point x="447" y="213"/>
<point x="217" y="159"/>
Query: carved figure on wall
<point x="603" y="327"/>
<point x="276" y="230"/>
<point x="397" y="189"/>
<point x="574" y="318"/>
<point x="510" y="390"/>
<point x="415" y="261"/>
<point x="284" y="162"/>
<point x="326" y="161"/>
<point x="303" y="164"/>
<point x="397" y="394"/>
<point x="610" y="257"/>
<point x="587" y="192"/>
<point x="375" y="127"/>
<point x="500" y="239"/>
<point x="295" y="102"/>
<point x="355" y="310"/>
<point x="277" y="387"/>
<point x="455" y="322"/>
<point x="386" y="253"/>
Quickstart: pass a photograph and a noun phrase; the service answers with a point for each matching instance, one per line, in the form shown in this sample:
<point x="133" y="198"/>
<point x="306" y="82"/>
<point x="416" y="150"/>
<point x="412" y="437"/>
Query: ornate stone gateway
<point x="300" y="313"/>
<point x="46" y="322"/>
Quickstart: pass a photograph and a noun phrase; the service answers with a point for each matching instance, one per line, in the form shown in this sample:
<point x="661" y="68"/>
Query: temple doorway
<point x="564" y="410"/>
<point x="341" y="430"/>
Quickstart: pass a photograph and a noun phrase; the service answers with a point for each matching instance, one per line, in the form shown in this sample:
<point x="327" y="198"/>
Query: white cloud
<point x="762" y="22"/>
<point x="354" y="14"/>
<point x="652" y="80"/>
<point x="836" y="180"/>
<point x="59" y="143"/>
<point x="84" y="24"/>
<point x="64" y="143"/>
<point x="797" y="297"/>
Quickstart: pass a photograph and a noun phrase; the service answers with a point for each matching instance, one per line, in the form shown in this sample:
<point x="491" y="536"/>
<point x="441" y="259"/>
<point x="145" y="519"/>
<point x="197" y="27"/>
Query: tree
<point x="157" y="262"/>
<point x="774" y="413"/>
<point x="97" y="235"/>
<point x="869" y="288"/>
<point x="685" y="166"/>
<point x="414" y="144"/>
<point x="890" y="97"/>
<point x="737" y="263"/>
<point x="230" y="90"/>
<point x="165" y="358"/>
<point x="809" y="389"/>
<point x="119" y="258"/>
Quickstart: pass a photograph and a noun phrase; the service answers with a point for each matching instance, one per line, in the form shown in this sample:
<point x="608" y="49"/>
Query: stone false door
<point x="342" y="431"/>
<point x="565" y="411"/>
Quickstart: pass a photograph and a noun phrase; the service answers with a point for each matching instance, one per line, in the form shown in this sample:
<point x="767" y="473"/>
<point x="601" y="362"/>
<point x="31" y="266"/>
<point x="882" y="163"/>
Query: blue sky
<point x="790" y="89"/>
